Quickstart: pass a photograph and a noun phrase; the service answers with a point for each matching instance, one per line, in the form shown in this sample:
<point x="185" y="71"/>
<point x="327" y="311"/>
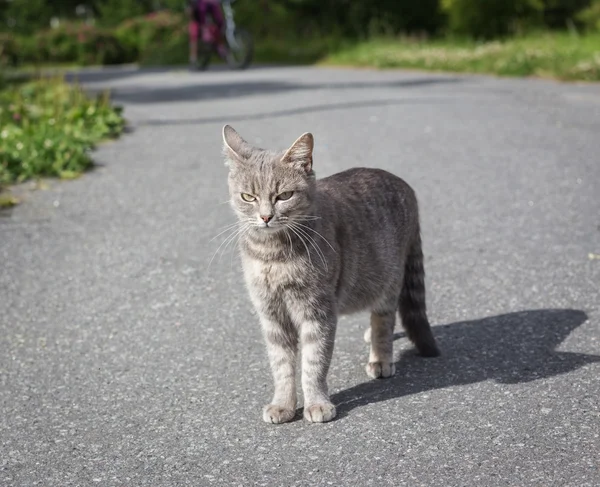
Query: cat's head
<point x="270" y="190"/>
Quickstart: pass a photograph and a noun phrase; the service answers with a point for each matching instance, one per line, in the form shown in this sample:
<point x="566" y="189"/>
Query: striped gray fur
<point x="346" y="243"/>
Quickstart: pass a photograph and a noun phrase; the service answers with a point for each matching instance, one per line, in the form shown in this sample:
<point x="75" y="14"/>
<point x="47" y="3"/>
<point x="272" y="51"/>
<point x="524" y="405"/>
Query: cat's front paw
<point x="380" y="370"/>
<point x="367" y="335"/>
<point x="272" y="413"/>
<point x="319" y="413"/>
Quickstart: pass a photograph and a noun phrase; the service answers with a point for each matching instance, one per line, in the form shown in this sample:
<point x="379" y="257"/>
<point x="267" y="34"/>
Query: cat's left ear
<point x="301" y="152"/>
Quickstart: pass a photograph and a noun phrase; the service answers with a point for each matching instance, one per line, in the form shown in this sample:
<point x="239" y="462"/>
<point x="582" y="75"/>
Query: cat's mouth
<point x="269" y="227"/>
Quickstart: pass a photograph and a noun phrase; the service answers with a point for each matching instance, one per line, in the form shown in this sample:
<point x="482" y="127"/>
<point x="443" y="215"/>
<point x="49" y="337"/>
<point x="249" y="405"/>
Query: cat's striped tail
<point x="413" y="310"/>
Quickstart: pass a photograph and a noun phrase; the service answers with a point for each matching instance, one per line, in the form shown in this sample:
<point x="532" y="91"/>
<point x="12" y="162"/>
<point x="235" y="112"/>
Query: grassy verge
<point x="48" y="128"/>
<point x="561" y="56"/>
<point x="266" y="51"/>
<point x="296" y="51"/>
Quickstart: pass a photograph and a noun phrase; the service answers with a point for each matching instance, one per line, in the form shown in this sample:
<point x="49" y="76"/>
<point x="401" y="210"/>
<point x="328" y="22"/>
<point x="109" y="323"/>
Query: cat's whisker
<point x="303" y="243"/>
<point x="320" y="252"/>
<point x="306" y="217"/>
<point x="237" y="235"/>
<point x="237" y="239"/>
<point x="228" y="227"/>
<point x="302" y="218"/>
<point x="234" y="233"/>
<point x="314" y="244"/>
<point x="236" y="222"/>
<point x="214" y="205"/>
<point x="313" y="230"/>
<point x="234" y="238"/>
<point x="290" y="239"/>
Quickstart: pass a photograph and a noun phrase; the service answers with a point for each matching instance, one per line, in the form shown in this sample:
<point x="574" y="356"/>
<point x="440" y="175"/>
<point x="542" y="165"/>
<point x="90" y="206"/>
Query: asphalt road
<point x="126" y="361"/>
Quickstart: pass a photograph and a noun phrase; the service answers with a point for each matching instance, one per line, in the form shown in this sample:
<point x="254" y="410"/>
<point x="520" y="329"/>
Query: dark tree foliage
<point x="557" y="13"/>
<point x="349" y="18"/>
<point x="359" y="18"/>
<point x="24" y="16"/>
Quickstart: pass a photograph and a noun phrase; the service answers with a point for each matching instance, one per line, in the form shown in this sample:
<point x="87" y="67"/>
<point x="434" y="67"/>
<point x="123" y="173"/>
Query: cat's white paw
<point x="319" y="413"/>
<point x="380" y="370"/>
<point x="277" y="414"/>
<point x="367" y="335"/>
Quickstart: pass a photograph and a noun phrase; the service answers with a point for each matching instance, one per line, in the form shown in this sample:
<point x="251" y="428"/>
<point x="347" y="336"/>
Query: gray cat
<point x="314" y="250"/>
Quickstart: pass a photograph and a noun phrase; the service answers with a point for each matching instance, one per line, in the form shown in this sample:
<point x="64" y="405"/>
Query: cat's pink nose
<point x="266" y="219"/>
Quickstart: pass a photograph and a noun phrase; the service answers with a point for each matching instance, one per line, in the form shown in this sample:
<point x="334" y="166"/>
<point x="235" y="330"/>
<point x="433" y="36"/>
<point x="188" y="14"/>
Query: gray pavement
<point x="126" y="361"/>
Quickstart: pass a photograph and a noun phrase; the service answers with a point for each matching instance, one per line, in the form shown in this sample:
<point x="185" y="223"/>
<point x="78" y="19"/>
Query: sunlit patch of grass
<point x="562" y="56"/>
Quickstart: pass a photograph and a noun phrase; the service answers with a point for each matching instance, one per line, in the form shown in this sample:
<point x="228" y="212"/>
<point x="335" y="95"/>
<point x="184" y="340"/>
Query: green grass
<point x="550" y="55"/>
<point x="49" y="127"/>
<point x="561" y="56"/>
<point x="292" y="51"/>
<point x="31" y="70"/>
<point x="266" y="51"/>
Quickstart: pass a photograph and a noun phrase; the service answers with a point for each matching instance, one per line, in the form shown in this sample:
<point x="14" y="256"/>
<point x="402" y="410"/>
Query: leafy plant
<point x="149" y="35"/>
<point x="25" y="16"/>
<point x="113" y="12"/>
<point x="559" y="14"/>
<point x="79" y="43"/>
<point x="491" y="18"/>
<point x="49" y="128"/>
<point x="8" y="50"/>
<point x="590" y="16"/>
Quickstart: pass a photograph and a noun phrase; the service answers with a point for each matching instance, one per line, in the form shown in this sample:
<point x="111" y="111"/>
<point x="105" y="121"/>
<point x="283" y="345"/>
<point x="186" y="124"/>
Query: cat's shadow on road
<point x="510" y="348"/>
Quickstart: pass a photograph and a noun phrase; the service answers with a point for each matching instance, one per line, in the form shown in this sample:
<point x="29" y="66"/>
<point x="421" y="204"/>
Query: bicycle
<point x="237" y="46"/>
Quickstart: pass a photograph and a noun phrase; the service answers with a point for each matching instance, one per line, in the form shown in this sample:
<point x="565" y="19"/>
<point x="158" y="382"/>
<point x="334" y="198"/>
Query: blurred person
<point x="198" y="10"/>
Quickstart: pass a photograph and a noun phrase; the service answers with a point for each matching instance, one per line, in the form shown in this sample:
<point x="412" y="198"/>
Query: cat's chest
<point x="274" y="277"/>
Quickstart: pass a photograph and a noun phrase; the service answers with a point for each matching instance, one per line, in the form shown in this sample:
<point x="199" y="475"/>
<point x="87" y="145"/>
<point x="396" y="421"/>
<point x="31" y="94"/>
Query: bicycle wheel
<point x="205" y="51"/>
<point x="240" y="50"/>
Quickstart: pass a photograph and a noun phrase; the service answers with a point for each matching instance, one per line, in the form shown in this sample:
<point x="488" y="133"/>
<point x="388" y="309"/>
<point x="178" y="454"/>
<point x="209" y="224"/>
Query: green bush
<point x="290" y="52"/>
<point x="48" y="128"/>
<point x="8" y="50"/>
<point x="558" y="14"/>
<point x="491" y="18"/>
<point x="27" y="50"/>
<point x="390" y="17"/>
<point x="79" y="43"/>
<point x="173" y="51"/>
<point x="590" y="17"/>
<point x="113" y="12"/>
<point x="25" y="17"/>
<point x="147" y="36"/>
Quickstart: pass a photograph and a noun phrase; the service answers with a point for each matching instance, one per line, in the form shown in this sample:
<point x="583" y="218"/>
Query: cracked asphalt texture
<point x="125" y="360"/>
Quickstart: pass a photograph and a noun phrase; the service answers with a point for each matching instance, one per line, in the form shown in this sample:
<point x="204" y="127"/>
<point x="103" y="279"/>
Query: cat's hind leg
<point x="381" y="356"/>
<point x="367" y="335"/>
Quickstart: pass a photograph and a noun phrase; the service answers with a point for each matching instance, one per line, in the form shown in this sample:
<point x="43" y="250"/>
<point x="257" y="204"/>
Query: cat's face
<point x="270" y="191"/>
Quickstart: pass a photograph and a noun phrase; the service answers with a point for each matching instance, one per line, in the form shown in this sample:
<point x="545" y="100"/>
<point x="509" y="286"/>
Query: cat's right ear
<point x="234" y="147"/>
<point x="301" y="152"/>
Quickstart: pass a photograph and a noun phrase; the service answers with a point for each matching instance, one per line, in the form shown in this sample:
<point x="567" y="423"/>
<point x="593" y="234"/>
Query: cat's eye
<point x="248" y="197"/>
<point x="285" y="196"/>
